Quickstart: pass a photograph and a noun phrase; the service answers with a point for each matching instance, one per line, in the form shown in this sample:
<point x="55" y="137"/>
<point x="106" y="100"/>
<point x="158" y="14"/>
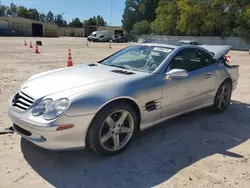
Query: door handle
<point x="208" y="75"/>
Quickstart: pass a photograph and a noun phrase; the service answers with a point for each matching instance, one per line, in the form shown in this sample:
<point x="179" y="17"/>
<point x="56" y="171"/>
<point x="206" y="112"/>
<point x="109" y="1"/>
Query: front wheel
<point x="112" y="129"/>
<point x="223" y="97"/>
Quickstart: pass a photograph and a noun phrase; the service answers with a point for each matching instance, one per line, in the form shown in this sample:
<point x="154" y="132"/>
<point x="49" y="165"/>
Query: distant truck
<point x="100" y="36"/>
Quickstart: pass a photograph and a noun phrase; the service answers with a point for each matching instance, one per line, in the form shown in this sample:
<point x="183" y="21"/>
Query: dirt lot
<point x="196" y="150"/>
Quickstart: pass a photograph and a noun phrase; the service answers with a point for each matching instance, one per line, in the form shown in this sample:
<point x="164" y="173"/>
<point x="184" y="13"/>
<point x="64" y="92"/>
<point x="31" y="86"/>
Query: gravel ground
<point x="200" y="149"/>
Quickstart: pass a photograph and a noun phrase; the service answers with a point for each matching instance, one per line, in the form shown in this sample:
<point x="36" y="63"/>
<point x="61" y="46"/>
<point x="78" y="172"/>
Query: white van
<point x="100" y="36"/>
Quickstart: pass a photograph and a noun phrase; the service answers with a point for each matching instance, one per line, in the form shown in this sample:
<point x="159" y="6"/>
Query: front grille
<point x="22" y="101"/>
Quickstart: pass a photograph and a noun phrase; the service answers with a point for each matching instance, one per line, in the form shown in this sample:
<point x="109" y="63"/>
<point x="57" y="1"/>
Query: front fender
<point x="90" y="102"/>
<point x="140" y="91"/>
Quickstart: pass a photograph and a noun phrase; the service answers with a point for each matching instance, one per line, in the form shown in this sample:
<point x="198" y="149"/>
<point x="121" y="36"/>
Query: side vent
<point x="152" y="105"/>
<point x="122" y="72"/>
<point x="92" y="65"/>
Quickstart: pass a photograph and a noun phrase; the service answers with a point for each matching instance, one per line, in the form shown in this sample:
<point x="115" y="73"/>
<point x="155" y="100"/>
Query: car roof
<point x="167" y="45"/>
<point x="186" y="41"/>
<point x="217" y="50"/>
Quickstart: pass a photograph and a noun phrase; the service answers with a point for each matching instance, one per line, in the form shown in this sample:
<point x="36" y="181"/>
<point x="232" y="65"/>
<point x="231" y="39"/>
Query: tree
<point x="42" y="17"/>
<point x="60" y="21"/>
<point x="22" y="12"/>
<point x="167" y="18"/>
<point x="75" y="23"/>
<point x="192" y="17"/>
<point x="237" y="19"/>
<point x="138" y="10"/>
<point x="90" y="21"/>
<point x="3" y="9"/>
<point x="50" y="17"/>
<point x="12" y="10"/>
<point x="33" y="14"/>
<point x="142" y="27"/>
<point x="130" y="15"/>
<point x="98" y="20"/>
<point x="147" y="9"/>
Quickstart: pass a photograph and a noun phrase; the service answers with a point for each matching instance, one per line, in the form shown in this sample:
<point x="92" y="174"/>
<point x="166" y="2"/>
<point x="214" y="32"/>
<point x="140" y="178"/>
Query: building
<point x="17" y="26"/>
<point x="87" y="30"/>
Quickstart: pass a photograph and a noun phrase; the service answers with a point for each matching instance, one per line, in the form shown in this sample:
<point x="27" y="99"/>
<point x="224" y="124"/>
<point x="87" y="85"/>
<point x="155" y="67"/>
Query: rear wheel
<point x="223" y="97"/>
<point x="112" y="129"/>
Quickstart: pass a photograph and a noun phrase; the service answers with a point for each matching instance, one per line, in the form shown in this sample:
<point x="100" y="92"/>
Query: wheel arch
<point x="127" y="100"/>
<point x="229" y="80"/>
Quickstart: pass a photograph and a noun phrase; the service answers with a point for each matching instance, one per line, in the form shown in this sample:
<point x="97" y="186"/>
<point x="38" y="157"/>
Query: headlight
<point x="40" y="108"/>
<point x="55" y="109"/>
<point x="50" y="109"/>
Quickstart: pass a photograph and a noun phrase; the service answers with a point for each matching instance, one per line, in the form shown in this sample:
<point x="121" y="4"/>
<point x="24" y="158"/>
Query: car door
<point x="191" y="92"/>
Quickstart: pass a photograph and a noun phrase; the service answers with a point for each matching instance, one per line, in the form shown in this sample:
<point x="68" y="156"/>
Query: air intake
<point x="92" y="65"/>
<point x="152" y="105"/>
<point x="122" y="72"/>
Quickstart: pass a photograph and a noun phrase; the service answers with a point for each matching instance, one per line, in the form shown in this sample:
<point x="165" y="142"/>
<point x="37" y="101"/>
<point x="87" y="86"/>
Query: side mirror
<point x="176" y="73"/>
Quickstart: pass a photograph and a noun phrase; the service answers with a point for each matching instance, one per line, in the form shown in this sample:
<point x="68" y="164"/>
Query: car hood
<point x="76" y="78"/>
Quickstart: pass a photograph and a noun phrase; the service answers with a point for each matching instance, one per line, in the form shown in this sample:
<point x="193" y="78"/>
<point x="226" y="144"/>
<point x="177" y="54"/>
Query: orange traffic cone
<point x="31" y="45"/>
<point x="70" y="63"/>
<point x="37" y="50"/>
<point x="25" y="43"/>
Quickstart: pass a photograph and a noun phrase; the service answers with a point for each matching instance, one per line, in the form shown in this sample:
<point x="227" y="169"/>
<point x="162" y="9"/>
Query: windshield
<point x="138" y="58"/>
<point x="93" y="34"/>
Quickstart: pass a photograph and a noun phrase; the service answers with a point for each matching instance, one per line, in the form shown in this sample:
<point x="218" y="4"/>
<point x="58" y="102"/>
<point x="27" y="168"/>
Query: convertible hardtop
<point x="217" y="50"/>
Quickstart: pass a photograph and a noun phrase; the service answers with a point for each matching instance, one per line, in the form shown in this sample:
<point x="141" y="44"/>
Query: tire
<point x="100" y="130"/>
<point x="224" y="92"/>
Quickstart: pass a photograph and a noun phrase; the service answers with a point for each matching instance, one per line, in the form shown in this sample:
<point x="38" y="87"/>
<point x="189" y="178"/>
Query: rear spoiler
<point x="217" y="51"/>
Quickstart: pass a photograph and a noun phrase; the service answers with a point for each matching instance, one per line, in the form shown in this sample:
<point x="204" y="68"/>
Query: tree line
<point x="33" y="14"/>
<point x="188" y="17"/>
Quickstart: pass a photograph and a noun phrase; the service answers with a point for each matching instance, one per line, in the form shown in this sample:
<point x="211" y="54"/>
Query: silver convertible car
<point x="102" y="105"/>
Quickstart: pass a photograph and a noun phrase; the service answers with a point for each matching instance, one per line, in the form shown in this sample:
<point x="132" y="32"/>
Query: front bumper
<point x="45" y="135"/>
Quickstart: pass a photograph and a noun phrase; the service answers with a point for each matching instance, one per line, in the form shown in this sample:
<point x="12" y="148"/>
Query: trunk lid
<point x="218" y="51"/>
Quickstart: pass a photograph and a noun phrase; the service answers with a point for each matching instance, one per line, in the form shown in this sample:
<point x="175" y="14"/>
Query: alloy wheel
<point x="116" y="130"/>
<point x="223" y="97"/>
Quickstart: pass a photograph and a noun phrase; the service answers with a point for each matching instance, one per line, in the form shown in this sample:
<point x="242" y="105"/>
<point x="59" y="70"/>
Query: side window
<point x="190" y="60"/>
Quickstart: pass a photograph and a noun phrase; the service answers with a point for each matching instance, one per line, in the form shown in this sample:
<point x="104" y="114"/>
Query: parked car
<point x="102" y="105"/>
<point x="119" y="39"/>
<point x="191" y="42"/>
<point x="101" y="38"/>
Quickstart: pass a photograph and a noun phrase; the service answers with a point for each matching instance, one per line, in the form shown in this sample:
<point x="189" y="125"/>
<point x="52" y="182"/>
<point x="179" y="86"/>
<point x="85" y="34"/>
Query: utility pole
<point x="111" y="18"/>
<point x="111" y="9"/>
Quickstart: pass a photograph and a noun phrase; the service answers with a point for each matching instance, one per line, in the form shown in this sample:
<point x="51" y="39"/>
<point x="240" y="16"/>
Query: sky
<point x="82" y="9"/>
